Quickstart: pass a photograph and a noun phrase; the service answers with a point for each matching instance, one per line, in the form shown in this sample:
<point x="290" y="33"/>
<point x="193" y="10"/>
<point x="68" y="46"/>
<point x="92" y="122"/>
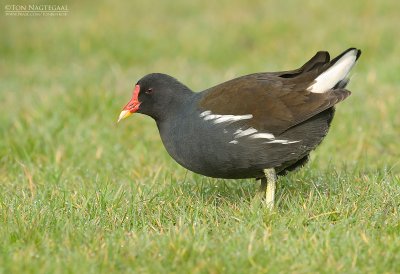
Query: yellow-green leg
<point x="268" y="186"/>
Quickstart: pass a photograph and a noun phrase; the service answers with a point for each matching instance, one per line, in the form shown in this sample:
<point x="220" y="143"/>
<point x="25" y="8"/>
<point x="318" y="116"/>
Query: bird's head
<point x="154" y="95"/>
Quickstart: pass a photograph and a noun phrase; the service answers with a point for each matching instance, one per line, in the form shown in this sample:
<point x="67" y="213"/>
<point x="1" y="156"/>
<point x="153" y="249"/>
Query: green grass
<point x="79" y="194"/>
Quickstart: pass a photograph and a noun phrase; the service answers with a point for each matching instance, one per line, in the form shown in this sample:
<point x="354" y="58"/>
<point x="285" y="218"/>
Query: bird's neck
<point x="176" y="108"/>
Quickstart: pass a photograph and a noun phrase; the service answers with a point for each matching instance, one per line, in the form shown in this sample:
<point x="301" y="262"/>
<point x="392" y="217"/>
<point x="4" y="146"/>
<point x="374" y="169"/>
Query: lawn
<point x="81" y="194"/>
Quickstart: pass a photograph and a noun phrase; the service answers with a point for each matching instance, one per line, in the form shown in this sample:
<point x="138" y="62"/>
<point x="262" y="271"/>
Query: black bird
<point x="254" y="126"/>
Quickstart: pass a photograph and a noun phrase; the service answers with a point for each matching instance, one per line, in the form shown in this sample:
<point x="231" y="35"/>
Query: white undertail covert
<point x="336" y="73"/>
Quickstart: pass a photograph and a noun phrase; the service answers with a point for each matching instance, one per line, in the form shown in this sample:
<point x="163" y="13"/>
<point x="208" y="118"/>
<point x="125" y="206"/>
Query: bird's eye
<point x="150" y="90"/>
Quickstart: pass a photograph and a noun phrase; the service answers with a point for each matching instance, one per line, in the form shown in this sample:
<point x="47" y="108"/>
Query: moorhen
<point x="255" y="126"/>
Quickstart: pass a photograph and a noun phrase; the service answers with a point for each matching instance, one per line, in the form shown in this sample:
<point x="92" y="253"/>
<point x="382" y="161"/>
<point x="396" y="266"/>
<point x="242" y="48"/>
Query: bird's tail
<point x="336" y="73"/>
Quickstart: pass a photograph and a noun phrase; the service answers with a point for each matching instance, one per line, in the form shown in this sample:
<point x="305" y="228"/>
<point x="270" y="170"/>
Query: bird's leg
<point x="268" y="186"/>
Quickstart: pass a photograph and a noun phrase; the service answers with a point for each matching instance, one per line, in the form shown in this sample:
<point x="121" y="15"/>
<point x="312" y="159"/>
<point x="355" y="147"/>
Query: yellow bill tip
<point x="123" y="115"/>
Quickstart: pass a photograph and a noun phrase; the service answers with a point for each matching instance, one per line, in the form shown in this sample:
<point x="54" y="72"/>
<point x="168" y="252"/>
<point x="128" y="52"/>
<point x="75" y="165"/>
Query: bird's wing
<point x="275" y="104"/>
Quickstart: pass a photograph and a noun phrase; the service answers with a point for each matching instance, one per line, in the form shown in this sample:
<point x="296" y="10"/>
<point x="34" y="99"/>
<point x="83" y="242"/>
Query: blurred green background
<point x="69" y="175"/>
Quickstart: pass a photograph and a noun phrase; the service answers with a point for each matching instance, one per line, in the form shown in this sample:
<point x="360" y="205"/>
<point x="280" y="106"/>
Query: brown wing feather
<point x="276" y="103"/>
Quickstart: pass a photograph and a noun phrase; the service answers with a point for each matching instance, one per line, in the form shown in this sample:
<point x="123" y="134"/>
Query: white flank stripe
<point x="232" y="118"/>
<point x="246" y="132"/>
<point x="238" y="131"/>
<point x="334" y="74"/>
<point x="205" y="113"/>
<point x="211" y="117"/>
<point x="218" y="118"/>
<point x="263" y="135"/>
<point x="250" y="132"/>
<point x="285" y="142"/>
